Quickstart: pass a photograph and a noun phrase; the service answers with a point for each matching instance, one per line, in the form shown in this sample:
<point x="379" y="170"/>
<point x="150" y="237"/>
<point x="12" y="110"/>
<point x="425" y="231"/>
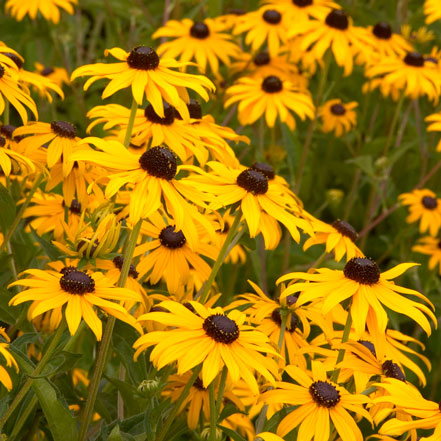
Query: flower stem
<point x="107" y="338"/>
<point x="220" y="258"/>
<point x="213" y="413"/>
<point x="393" y="125"/>
<point x="48" y="355"/>
<point x="178" y="404"/>
<point x="129" y="129"/>
<point x="341" y="352"/>
<point x="220" y="393"/>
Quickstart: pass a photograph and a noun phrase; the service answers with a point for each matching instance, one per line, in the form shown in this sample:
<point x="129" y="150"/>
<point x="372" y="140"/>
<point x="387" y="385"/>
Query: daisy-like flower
<point x="430" y="246"/>
<point x="201" y="41"/>
<point x="57" y="75"/>
<point x="335" y="32"/>
<point x="5" y="378"/>
<point x="47" y="8"/>
<point x="369" y="290"/>
<point x="434" y="121"/>
<point x="12" y="161"/>
<point x="79" y="291"/>
<point x="339" y="237"/>
<point x="210" y="337"/>
<point x="153" y="176"/>
<point x="432" y="11"/>
<point x="338" y="117"/>
<point x="14" y="93"/>
<point x="425" y="207"/>
<point x="320" y="401"/>
<point x="147" y="74"/>
<point x="169" y="255"/>
<point x="271" y="96"/>
<point x="263" y="201"/>
<point x="411" y="74"/>
<point x="268" y="25"/>
<point x="60" y="137"/>
<point x="301" y="10"/>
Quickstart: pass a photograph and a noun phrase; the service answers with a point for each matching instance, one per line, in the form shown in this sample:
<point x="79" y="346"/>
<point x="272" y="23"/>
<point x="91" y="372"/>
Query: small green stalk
<point x="129" y="130"/>
<point x="213" y="413"/>
<point x="107" y="338"/>
<point x="341" y="352"/>
<point x="220" y="258"/>
<point x="220" y="393"/>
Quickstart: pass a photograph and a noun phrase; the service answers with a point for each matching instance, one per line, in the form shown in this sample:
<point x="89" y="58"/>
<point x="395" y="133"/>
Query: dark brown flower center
<point x="277" y="319"/>
<point x="369" y="345"/>
<point x="265" y="169"/>
<point x="337" y="19"/>
<point x="302" y="3"/>
<point x="292" y="299"/>
<point x="338" y="109"/>
<point x="194" y="109"/>
<point x="75" y="207"/>
<point x="159" y="162"/>
<point x="118" y="261"/>
<point x="199" y="30"/>
<point x="171" y="238"/>
<point x="143" y="58"/>
<point x="199" y="385"/>
<point x="414" y="59"/>
<point x="324" y="394"/>
<point x="7" y="130"/>
<point x="15" y="58"/>
<point x="272" y="16"/>
<point x="261" y="59"/>
<point x="362" y="270"/>
<point x="429" y="202"/>
<point x="221" y="328"/>
<point x="253" y="181"/>
<point x="169" y="115"/>
<point x="47" y="71"/>
<point x="392" y="370"/>
<point x="382" y="30"/>
<point x="64" y="129"/>
<point x="346" y="229"/>
<point x="272" y="84"/>
<point x="75" y="281"/>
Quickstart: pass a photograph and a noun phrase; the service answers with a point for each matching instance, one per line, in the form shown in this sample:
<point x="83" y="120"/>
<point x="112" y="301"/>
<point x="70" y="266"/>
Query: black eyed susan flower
<point x="425" y="207"/>
<point x="434" y="121"/>
<point x="271" y="96"/>
<point x="49" y="9"/>
<point x="210" y="337"/>
<point x="320" y="401"/>
<point x="263" y="201"/>
<point x="12" y="161"/>
<point x="59" y="136"/>
<point x="147" y="74"/>
<point x="14" y="93"/>
<point x="430" y="246"/>
<point x="301" y="10"/>
<point x="340" y="237"/>
<point x="79" y="291"/>
<point x="152" y="176"/>
<point x="57" y="75"/>
<point x="338" y="117"/>
<point x="369" y="290"/>
<point x="5" y="378"/>
<point x="432" y="11"/>
<point x="201" y="41"/>
<point x="267" y="26"/>
<point x="170" y="256"/>
<point x="410" y="74"/>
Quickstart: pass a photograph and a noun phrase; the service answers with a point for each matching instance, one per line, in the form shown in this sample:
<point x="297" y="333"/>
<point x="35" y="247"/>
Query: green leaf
<point x="51" y="251"/>
<point x="365" y="163"/>
<point x="115" y="434"/>
<point x="7" y="209"/>
<point x="60" y="421"/>
<point x="232" y="434"/>
<point x="228" y="410"/>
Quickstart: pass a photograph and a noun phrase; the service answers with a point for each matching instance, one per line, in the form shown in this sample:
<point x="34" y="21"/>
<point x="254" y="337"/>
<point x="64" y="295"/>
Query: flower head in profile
<point x="208" y="336"/>
<point x="303" y="10"/>
<point x="11" y="160"/>
<point x="7" y="358"/>
<point x="147" y="74"/>
<point x="79" y="291"/>
<point x="425" y="207"/>
<point x="430" y="246"/>
<point x="434" y="121"/>
<point x="49" y="9"/>
<point x="200" y="41"/>
<point x="338" y="117"/>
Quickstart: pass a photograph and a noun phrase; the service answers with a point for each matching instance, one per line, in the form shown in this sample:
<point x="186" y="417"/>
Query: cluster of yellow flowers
<point x="145" y="215"/>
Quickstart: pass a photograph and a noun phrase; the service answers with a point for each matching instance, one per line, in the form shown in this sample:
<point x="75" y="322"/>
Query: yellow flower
<point x="271" y="96"/>
<point x="424" y="206"/>
<point x="147" y="74"/>
<point x="338" y="117"/>
<point x="47" y="8"/>
<point x="11" y="160"/>
<point x="79" y="291"/>
<point x="434" y="121"/>
<point x="430" y="246"/>
<point x="432" y="11"/>
<point x="301" y="10"/>
<point x="421" y="35"/>
<point x="201" y="41"/>
<point x="57" y="75"/>
<point x="5" y="378"/>
<point x="210" y="337"/>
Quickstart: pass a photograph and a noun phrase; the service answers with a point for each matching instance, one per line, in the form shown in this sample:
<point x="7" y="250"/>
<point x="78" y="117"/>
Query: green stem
<point x="393" y="125"/>
<point x="341" y="352"/>
<point x="213" y="413"/>
<point x="20" y="213"/>
<point x="129" y="129"/>
<point x="220" y="257"/>
<point x="107" y="338"/>
<point x="220" y="393"/>
<point x="35" y="373"/>
<point x="23" y="417"/>
<point x="178" y="404"/>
